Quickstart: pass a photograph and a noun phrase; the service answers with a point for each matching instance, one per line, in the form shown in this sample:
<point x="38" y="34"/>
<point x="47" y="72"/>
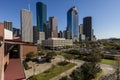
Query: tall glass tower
<point x="41" y="12"/>
<point x="72" y="23"/>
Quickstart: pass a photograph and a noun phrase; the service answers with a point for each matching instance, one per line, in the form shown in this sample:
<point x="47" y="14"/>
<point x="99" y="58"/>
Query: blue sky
<point x="105" y="13"/>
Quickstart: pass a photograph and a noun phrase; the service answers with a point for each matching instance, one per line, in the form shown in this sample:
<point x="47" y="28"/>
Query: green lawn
<point x="54" y="71"/>
<point x="107" y="61"/>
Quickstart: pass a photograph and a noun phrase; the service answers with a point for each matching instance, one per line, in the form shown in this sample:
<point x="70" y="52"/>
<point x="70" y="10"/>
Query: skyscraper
<point x="82" y="36"/>
<point x="60" y="34"/>
<point x="87" y="28"/>
<point x="72" y="23"/>
<point x="16" y="32"/>
<point x="41" y="12"/>
<point x="35" y="34"/>
<point x="47" y="30"/>
<point x="54" y="26"/>
<point x="26" y="26"/>
<point x="8" y="25"/>
<point x="81" y="28"/>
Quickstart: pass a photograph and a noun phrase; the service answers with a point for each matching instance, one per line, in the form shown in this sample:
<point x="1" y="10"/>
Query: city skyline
<point x="105" y="14"/>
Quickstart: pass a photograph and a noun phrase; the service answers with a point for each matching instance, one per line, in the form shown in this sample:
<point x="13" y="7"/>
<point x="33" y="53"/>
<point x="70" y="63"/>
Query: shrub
<point x="26" y="65"/>
<point x="63" y="63"/>
<point x="32" y="78"/>
<point x="111" y="57"/>
<point x="30" y="56"/>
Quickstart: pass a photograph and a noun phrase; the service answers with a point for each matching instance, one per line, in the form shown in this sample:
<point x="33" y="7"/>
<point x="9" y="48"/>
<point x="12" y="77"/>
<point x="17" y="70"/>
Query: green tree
<point x="30" y="56"/>
<point x="68" y="57"/>
<point x="94" y="57"/>
<point x="49" y="56"/>
<point x="64" y="78"/>
<point x="87" y="71"/>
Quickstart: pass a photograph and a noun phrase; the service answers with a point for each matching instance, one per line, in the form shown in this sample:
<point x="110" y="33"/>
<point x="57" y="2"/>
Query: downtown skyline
<point x="105" y="14"/>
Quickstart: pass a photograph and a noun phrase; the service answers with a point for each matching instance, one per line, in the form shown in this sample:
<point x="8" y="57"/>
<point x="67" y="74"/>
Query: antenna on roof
<point x="28" y="5"/>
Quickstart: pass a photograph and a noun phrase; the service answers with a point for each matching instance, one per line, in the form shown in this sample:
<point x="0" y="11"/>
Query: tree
<point x="94" y="57"/>
<point x="68" y="57"/>
<point x="49" y="56"/>
<point x="41" y="53"/>
<point x="74" y="52"/>
<point x="87" y="71"/>
<point x="64" y="78"/>
<point x="30" y="56"/>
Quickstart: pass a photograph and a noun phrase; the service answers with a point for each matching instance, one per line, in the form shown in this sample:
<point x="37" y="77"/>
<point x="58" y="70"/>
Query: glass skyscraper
<point x="41" y="12"/>
<point x="72" y="23"/>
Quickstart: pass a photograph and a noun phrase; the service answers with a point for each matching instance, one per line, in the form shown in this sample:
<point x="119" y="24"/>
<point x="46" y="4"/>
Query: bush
<point x="26" y="65"/>
<point x="64" y="78"/>
<point x="30" y="56"/>
<point x="111" y="57"/>
<point x="32" y="78"/>
<point x="63" y="63"/>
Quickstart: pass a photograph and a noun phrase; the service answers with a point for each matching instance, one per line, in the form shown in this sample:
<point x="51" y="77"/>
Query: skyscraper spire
<point x="28" y="5"/>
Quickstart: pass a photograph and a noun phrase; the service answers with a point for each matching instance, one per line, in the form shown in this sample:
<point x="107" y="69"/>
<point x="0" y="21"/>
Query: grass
<point x="54" y="71"/>
<point x="107" y="61"/>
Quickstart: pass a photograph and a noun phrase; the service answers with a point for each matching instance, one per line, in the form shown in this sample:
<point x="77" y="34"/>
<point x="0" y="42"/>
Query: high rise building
<point x="47" y="30"/>
<point x="81" y="28"/>
<point x="35" y="34"/>
<point x="87" y="28"/>
<point x="8" y="30"/>
<point x="41" y="12"/>
<point x="72" y="23"/>
<point x="26" y="26"/>
<point x="8" y="25"/>
<point x="54" y="26"/>
<point x="16" y="32"/>
<point x="60" y="34"/>
<point x="82" y="36"/>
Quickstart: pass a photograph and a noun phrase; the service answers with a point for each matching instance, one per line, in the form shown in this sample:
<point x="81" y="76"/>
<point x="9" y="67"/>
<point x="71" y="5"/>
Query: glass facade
<point x="41" y="12"/>
<point x="72" y="23"/>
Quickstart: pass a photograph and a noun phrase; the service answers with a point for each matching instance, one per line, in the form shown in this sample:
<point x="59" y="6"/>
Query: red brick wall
<point x="1" y="51"/>
<point x="28" y="48"/>
<point x="1" y="30"/>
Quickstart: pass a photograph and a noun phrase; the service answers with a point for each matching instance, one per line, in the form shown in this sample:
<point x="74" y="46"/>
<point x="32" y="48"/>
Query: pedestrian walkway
<point x="14" y="70"/>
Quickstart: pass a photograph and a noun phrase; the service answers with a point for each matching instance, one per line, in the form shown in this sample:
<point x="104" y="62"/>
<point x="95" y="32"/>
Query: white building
<point x="56" y="42"/>
<point x="8" y="34"/>
<point x="26" y="26"/>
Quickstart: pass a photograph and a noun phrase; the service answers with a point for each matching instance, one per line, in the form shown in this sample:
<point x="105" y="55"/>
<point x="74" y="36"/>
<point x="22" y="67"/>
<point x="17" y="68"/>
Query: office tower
<point x="66" y="34"/>
<point x="72" y="23"/>
<point x="41" y="12"/>
<point x="87" y="28"/>
<point x="16" y="32"/>
<point x="81" y="28"/>
<point x="60" y="34"/>
<point x="54" y="26"/>
<point x="41" y="15"/>
<point x="35" y="34"/>
<point x="26" y="26"/>
<point x="8" y="25"/>
<point x="47" y="30"/>
<point x="82" y="36"/>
